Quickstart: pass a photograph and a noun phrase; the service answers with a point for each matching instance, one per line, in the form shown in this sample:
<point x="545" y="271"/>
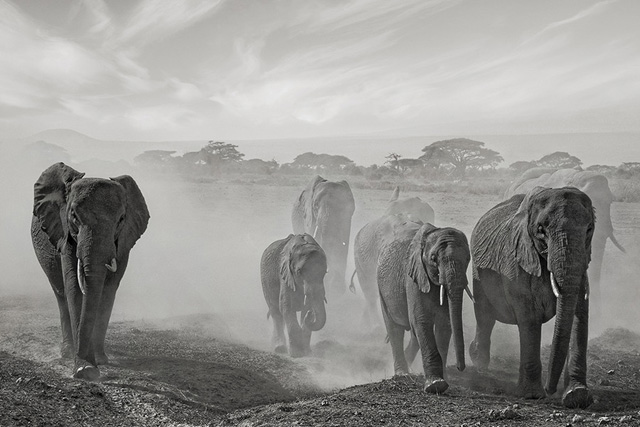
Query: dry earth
<point x="189" y="339"/>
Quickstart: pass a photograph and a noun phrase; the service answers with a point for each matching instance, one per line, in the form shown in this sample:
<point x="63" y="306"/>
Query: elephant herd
<point x="532" y="258"/>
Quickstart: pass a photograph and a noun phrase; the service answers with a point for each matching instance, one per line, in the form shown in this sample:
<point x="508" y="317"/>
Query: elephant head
<point x="330" y="208"/>
<point x="304" y="266"/>
<point x="414" y="207"/>
<point x="438" y="261"/>
<point x="554" y="228"/>
<point x="93" y="223"/>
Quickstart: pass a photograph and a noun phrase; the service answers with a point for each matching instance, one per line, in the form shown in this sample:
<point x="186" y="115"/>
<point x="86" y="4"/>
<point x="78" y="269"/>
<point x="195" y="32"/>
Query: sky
<point x="167" y="70"/>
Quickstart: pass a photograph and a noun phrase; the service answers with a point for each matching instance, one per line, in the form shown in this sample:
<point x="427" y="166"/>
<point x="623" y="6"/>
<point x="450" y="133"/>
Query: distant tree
<point x="154" y="158"/>
<point x="260" y="166"/>
<point x="520" y="166"/>
<point x="460" y="154"/>
<point x="559" y="160"/>
<point x="408" y="165"/>
<point x="633" y="167"/>
<point x="392" y="161"/>
<point x="315" y="161"/>
<point x="603" y="169"/>
<point x="218" y="152"/>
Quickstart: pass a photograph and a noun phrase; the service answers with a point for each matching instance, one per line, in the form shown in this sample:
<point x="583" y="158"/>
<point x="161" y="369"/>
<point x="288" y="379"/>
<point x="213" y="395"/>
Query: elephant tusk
<point x="466" y="288"/>
<point x="81" y="282"/>
<point x="315" y="232"/>
<point x="325" y="300"/>
<point x="113" y="267"/>
<point x="441" y="294"/>
<point x="554" y="286"/>
<point x="306" y="301"/>
<point x="587" y="290"/>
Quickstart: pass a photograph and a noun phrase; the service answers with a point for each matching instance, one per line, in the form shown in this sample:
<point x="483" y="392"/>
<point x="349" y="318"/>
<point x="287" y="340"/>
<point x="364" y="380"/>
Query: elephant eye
<point x="540" y="231"/>
<point x="433" y="258"/>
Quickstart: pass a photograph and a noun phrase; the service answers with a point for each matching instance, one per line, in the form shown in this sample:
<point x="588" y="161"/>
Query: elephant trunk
<point x="566" y="276"/>
<point x="455" y="313"/>
<point x="315" y="314"/>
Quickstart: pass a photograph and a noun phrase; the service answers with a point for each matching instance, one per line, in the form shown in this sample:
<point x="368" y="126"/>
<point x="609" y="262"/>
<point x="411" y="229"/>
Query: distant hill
<point x="83" y="148"/>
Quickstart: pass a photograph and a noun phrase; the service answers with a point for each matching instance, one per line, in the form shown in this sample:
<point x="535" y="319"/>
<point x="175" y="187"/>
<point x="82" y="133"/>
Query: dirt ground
<point x="190" y="343"/>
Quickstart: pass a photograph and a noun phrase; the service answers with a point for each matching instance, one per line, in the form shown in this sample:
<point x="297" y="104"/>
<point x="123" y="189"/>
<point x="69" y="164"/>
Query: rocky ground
<point x="179" y="374"/>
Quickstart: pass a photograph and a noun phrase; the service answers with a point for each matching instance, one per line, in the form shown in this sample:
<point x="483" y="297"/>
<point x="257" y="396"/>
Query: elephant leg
<point x="296" y="337"/>
<point x="305" y="335"/>
<point x="530" y="378"/>
<point x="102" y="323"/>
<point x="443" y="337"/>
<point x="576" y="394"/>
<point x="277" y="339"/>
<point x="412" y="348"/>
<point x="480" y="348"/>
<point x="431" y="359"/>
<point x="67" y="349"/>
<point x="395" y="334"/>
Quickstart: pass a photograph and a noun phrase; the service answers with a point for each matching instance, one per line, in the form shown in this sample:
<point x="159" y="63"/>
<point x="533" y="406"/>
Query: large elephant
<point x="82" y="231"/>
<point x="530" y="259"/>
<point x="292" y="272"/>
<point x="594" y="185"/>
<point x="421" y="277"/>
<point x="324" y="210"/>
<point x="374" y="235"/>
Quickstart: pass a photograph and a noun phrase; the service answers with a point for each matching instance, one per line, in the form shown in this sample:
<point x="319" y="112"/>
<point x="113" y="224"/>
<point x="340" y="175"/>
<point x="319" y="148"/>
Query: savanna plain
<point x="189" y="338"/>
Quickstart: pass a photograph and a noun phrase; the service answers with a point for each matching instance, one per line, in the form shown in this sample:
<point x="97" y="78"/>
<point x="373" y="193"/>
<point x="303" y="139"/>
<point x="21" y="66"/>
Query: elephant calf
<point x="292" y="272"/>
<point x="420" y="268"/>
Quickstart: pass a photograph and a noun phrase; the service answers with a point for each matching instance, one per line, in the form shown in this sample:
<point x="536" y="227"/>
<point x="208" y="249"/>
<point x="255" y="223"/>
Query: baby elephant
<point x="421" y="277"/>
<point x="292" y="271"/>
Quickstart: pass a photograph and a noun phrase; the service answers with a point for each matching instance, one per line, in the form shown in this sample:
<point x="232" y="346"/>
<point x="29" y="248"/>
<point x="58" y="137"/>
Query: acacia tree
<point x="315" y="161"/>
<point x="393" y="161"/>
<point x="460" y="154"/>
<point x="559" y="160"/>
<point x="221" y="152"/>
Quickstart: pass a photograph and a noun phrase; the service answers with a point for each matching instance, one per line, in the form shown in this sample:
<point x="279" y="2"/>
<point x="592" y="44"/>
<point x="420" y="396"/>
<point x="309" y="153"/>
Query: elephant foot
<point x="577" y="396"/>
<point x="436" y="386"/>
<point x="102" y="359"/>
<point x="478" y="360"/>
<point x="281" y="349"/>
<point x="531" y="391"/>
<point x="87" y="372"/>
<point x="66" y="350"/>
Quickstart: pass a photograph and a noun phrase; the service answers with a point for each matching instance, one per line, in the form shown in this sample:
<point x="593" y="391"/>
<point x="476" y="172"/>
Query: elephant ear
<point x="50" y="200"/>
<point x="525" y="251"/>
<point x="286" y="271"/>
<point x="136" y="215"/>
<point x="417" y="270"/>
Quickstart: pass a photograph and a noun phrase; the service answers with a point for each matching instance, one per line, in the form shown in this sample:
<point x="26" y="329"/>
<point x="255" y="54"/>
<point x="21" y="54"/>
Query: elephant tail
<point x="352" y="286"/>
<point x="618" y="245"/>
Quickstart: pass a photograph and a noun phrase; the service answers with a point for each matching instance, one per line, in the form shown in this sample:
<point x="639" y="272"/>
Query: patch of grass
<point x="625" y="190"/>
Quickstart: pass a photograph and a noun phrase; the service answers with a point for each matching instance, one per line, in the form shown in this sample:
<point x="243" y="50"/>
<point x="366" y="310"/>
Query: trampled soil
<point x="171" y="366"/>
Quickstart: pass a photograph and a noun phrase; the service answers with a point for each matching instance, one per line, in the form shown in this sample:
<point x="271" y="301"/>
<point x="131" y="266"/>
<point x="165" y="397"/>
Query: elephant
<point x="374" y="235"/>
<point x="415" y="207"/>
<point x="82" y="231"/>
<point x="530" y="258"/>
<point x="292" y="273"/>
<point x="420" y="268"/>
<point x="594" y="185"/>
<point x="324" y="210"/>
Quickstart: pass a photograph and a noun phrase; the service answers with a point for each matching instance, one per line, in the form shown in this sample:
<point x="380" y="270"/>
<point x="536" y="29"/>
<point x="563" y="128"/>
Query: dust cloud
<point x="199" y="262"/>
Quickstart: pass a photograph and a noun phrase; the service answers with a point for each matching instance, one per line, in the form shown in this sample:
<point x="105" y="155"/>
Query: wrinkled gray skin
<point x="324" y="210"/>
<point x="373" y="236"/>
<point x="421" y="278"/>
<point x="292" y="272"/>
<point x="520" y="247"/>
<point x="414" y="207"/>
<point x="82" y="232"/>
<point x="594" y="185"/>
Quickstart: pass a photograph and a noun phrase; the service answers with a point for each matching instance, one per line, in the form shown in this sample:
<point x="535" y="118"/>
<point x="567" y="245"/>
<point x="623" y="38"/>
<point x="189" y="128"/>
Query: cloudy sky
<point x="166" y="70"/>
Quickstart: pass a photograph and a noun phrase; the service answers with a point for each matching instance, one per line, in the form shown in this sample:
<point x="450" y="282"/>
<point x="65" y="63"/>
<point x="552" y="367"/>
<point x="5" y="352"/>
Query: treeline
<point x="454" y="159"/>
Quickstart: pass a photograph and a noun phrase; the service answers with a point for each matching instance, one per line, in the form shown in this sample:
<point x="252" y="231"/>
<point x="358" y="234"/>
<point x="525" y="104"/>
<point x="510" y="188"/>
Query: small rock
<point x="515" y="406"/>
<point x="611" y="372"/>
<point x="620" y="362"/>
<point x="626" y="419"/>
<point x="577" y="419"/>
<point x="603" y="420"/>
<point x="605" y="382"/>
<point x="324" y="403"/>
<point x="556" y="414"/>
